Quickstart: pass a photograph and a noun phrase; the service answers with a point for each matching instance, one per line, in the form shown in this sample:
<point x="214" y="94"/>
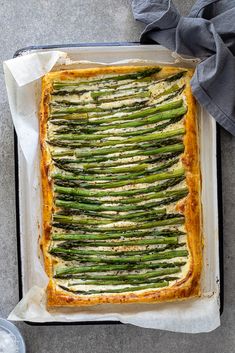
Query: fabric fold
<point x="207" y="33"/>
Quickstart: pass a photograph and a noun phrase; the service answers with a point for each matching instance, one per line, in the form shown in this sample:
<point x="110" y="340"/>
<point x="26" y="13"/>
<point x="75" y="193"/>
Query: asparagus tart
<point x="121" y="186"/>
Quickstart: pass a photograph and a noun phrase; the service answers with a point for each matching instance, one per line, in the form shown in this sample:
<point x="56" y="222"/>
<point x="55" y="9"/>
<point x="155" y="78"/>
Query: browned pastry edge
<point x="187" y="287"/>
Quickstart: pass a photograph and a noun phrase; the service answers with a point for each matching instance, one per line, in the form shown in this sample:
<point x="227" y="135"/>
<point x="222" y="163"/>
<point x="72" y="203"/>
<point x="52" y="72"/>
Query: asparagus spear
<point x="119" y="92"/>
<point x="59" y="110"/>
<point x="130" y="282"/>
<point x="70" y="117"/>
<point x="117" y="290"/>
<point x="126" y="96"/>
<point x="167" y="91"/>
<point x="131" y="76"/>
<point x="116" y="160"/>
<point x="60" y="88"/>
<point x="65" y="272"/>
<point x="133" y="216"/>
<point x="116" y="173"/>
<point x="171" y="114"/>
<point x="89" y="193"/>
<point x="131" y="140"/>
<point x="129" y="277"/>
<point x="148" y="212"/>
<point x="128" y="100"/>
<point x="168" y="240"/>
<point x="57" y="251"/>
<point x="119" y="208"/>
<point x="144" y="180"/>
<point x="67" y="128"/>
<point x="136" y="115"/>
<point x="131" y="259"/>
<point x="80" y="220"/>
<point x="178" y="193"/>
<point x="113" y="177"/>
<point x="118" y="236"/>
<point x="107" y="152"/>
<point x="81" y="228"/>
<point x="73" y="220"/>
<point x="162" y="194"/>
<point x="65" y="102"/>
<point x="64" y="110"/>
<point x="77" y="117"/>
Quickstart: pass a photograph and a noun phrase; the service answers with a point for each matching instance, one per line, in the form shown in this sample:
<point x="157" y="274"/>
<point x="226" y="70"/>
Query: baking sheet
<point x="196" y="315"/>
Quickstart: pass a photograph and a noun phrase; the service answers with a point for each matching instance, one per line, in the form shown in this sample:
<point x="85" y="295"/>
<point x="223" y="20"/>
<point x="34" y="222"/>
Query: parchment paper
<point x="22" y="76"/>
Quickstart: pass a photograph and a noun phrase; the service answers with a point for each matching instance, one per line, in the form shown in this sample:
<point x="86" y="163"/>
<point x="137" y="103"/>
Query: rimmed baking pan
<point x="86" y="52"/>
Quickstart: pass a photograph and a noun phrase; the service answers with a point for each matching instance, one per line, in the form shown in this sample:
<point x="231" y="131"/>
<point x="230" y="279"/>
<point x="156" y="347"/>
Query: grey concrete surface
<point x="31" y="22"/>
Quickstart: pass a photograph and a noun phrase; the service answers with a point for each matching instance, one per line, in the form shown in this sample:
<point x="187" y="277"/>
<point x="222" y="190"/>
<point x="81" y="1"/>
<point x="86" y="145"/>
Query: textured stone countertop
<point x="34" y="22"/>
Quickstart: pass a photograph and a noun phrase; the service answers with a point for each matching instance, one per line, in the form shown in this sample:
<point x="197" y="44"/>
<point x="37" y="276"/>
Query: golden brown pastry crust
<point x="189" y="286"/>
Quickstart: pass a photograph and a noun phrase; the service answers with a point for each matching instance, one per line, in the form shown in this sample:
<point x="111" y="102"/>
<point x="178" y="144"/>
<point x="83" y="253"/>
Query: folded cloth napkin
<point x="207" y="33"/>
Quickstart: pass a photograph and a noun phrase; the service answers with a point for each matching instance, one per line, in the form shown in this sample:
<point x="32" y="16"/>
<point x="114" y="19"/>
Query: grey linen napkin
<point x="207" y="33"/>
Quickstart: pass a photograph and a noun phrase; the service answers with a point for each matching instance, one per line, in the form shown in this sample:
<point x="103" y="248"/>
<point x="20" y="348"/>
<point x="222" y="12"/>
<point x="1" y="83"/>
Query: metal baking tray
<point x="85" y="53"/>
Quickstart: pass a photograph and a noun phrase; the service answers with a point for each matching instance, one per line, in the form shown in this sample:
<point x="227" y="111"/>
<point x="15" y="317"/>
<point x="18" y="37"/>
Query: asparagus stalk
<point x="130" y="282"/>
<point x="57" y="251"/>
<point x="167" y="240"/>
<point x="117" y="290"/>
<point x="112" y="177"/>
<point x="131" y="259"/>
<point x="105" y="88"/>
<point x="81" y="228"/>
<point x="139" y="98"/>
<point x="169" y="155"/>
<point x="64" y="110"/>
<point x="67" y="128"/>
<point x="131" y="76"/>
<point x="115" y="176"/>
<point x="178" y="193"/>
<point x="156" y="195"/>
<point x="69" y="254"/>
<point x="130" y="277"/>
<point x="144" y="180"/>
<point x="136" y="115"/>
<point x="65" y="102"/>
<point x="114" y="172"/>
<point x="73" y="220"/>
<point x="131" y="140"/>
<point x="116" y="160"/>
<point x="133" y="216"/>
<point x="117" y="236"/>
<point x="142" y="113"/>
<point x="81" y="220"/>
<point x="170" y="114"/>
<point x="126" y="96"/>
<point x="119" y="92"/>
<point x="148" y="212"/>
<point x="141" y="215"/>
<point x="76" y="118"/>
<point x="120" y="208"/>
<point x="78" y="110"/>
<point x="108" y="92"/>
<point x="167" y="91"/>
<point x="107" y="152"/>
<point x="89" y="193"/>
<point x="61" y="88"/>
<point x="65" y="272"/>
